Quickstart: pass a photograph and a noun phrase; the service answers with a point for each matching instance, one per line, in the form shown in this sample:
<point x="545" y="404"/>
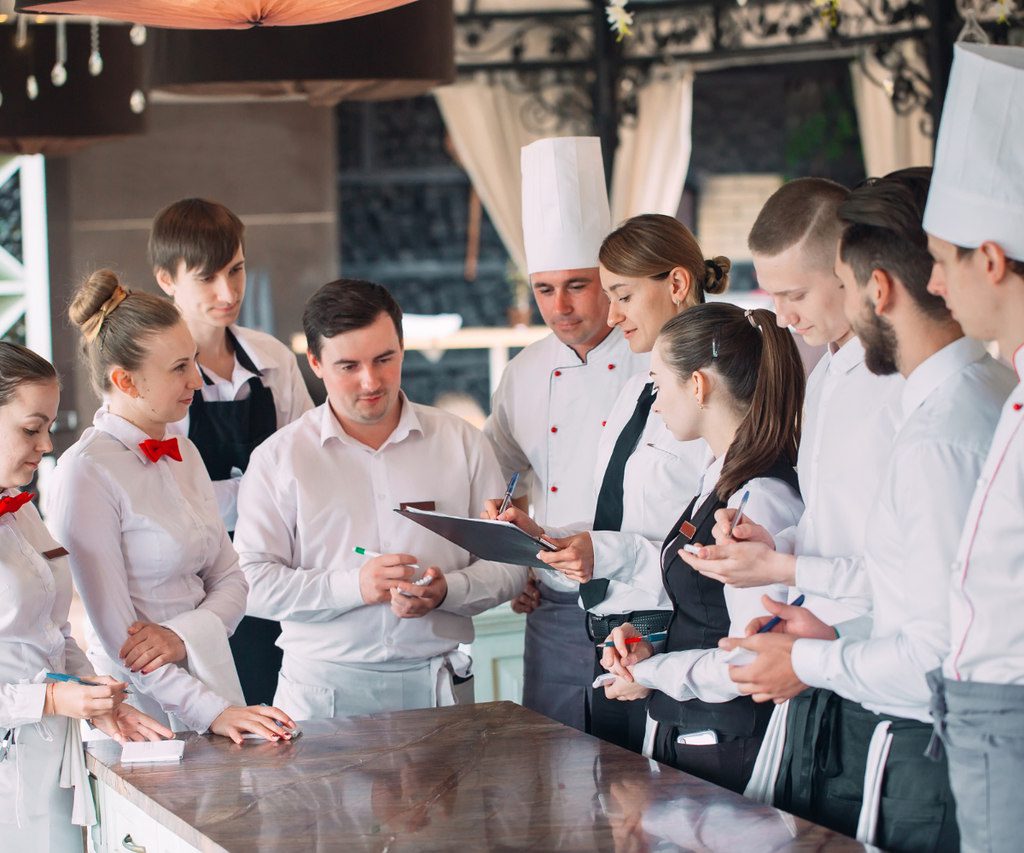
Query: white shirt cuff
<point x="810" y="660"/>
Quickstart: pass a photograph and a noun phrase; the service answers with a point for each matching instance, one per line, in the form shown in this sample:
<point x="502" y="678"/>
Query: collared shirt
<point x="278" y="371"/>
<point x="701" y="673"/>
<point x="312" y="493"/>
<point x="35" y="634"/>
<point x="661" y="475"/>
<point x="987" y="590"/>
<point x="146" y="543"/>
<point x="845" y="443"/>
<point x="547" y="417"/>
<point x="945" y="417"/>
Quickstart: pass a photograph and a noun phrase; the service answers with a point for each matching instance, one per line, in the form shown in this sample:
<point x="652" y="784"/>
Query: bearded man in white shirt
<point x="975" y="225"/>
<point x="358" y="636"/>
<point x="553" y="401"/>
<point x="869" y="774"/>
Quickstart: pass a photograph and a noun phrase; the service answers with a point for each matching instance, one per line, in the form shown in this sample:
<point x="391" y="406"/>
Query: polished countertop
<point x="492" y="776"/>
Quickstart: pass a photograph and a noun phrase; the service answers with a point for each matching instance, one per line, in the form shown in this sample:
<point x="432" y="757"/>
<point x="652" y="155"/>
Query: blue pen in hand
<point x="505" y="501"/>
<point x="775" y="620"/>
<point x="74" y="679"/>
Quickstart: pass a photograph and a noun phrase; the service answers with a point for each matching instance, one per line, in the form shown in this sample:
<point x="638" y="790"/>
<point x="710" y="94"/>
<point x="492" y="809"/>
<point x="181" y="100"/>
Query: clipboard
<point x="499" y="541"/>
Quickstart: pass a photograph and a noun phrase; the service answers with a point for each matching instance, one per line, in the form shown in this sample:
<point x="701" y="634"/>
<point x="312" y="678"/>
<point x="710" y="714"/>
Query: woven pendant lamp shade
<point x="214" y="14"/>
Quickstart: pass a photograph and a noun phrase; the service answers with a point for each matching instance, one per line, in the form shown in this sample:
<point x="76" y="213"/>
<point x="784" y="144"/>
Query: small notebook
<point x="489" y="540"/>
<point x="149" y="752"/>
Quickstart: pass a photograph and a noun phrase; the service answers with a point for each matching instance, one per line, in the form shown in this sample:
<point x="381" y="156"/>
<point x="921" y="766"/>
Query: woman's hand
<point x="262" y="720"/>
<point x="621" y="657"/>
<point x="626" y="691"/>
<point x="128" y="723"/>
<point x="84" y="701"/>
<point x="513" y="515"/>
<point x="149" y="646"/>
<point x="574" y="557"/>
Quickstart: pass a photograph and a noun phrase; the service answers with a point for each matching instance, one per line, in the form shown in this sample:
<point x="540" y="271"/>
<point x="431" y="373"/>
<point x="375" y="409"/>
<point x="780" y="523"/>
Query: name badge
<point x="426" y="506"/>
<point x="688" y="530"/>
<point x="55" y="553"/>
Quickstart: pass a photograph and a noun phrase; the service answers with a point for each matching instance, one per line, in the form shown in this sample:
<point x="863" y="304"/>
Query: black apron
<point x="700" y="619"/>
<point x="226" y="433"/>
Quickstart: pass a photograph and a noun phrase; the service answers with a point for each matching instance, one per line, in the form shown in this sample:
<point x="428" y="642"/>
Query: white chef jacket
<point x="947" y="412"/>
<point x="661" y="476"/>
<point x="844" y="446"/>
<point x="701" y="673"/>
<point x="987" y="589"/>
<point x="278" y="371"/>
<point x="547" y="417"/>
<point x="35" y="637"/>
<point x="146" y="543"/>
<point x="312" y="493"/>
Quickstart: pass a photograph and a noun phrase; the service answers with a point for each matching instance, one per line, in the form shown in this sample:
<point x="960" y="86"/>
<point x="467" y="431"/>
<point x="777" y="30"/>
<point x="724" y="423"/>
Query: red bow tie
<point x="155" y="449"/>
<point x="13" y="504"/>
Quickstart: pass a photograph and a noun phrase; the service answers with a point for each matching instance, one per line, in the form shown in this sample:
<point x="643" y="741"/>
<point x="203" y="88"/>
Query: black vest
<point x="700" y="619"/>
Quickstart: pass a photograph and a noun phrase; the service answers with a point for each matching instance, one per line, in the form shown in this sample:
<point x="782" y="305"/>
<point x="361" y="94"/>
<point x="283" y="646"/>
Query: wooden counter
<point x="480" y="777"/>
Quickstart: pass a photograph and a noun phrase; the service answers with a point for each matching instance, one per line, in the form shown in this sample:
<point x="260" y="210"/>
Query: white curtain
<point x="889" y="141"/>
<point x="654" y="155"/>
<point x="486" y="124"/>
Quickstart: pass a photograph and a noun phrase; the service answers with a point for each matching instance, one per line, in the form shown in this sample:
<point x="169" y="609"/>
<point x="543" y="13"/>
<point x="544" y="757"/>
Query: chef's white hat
<point x="977" y="189"/>
<point x="565" y="203"/>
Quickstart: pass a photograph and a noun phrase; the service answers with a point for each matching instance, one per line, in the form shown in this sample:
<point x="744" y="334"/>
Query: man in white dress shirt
<point x="359" y="637"/>
<point x="975" y="225"/>
<point x="554" y="398"/>
<point x="869" y="775"/>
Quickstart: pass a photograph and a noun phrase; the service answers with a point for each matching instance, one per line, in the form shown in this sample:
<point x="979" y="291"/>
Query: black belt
<point x="645" y="622"/>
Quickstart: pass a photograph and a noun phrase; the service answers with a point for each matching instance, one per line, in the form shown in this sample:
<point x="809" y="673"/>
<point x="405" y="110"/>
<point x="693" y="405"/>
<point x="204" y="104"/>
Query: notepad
<point x="151" y="752"/>
<point x="739" y="657"/>
<point x="487" y="539"/>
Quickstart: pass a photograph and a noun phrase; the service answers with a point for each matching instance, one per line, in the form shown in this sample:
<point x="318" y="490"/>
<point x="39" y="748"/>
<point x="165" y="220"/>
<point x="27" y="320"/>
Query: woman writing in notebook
<point x="735" y="379"/>
<point x="43" y="781"/>
<point x="151" y="558"/>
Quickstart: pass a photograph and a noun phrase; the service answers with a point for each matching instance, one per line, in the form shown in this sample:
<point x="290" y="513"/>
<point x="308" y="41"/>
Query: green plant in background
<point x="821" y="136"/>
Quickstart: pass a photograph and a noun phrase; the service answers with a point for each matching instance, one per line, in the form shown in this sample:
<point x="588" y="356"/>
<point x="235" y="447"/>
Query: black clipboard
<point x="499" y="541"/>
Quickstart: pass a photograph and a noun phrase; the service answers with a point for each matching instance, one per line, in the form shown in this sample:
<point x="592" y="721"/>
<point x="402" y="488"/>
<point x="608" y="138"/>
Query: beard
<point x="880" y="345"/>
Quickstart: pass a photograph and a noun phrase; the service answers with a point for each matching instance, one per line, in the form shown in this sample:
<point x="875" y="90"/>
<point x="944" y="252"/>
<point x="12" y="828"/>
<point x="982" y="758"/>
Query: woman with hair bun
<point x="41" y="753"/>
<point x="652" y="270"/>
<point x="151" y="558"/>
<point x="734" y="379"/>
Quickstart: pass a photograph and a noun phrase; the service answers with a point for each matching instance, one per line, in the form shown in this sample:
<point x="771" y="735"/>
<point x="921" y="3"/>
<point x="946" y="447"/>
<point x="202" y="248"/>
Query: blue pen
<point x="736" y="519"/>
<point x="513" y="480"/>
<point x="775" y="620"/>
<point x="656" y="637"/>
<point x="74" y="679"/>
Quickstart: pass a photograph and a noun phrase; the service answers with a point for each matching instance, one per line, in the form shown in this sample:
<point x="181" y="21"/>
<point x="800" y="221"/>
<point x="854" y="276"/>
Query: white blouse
<point x="35" y="635"/>
<point x="702" y="673"/>
<point x="147" y="543"/>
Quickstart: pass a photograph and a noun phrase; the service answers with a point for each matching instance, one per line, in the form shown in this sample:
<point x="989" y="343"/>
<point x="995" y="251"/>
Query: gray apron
<point x="558" y="658"/>
<point x="981" y="727"/>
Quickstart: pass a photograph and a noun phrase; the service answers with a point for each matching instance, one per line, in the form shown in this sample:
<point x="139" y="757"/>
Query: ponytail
<point x="760" y="366"/>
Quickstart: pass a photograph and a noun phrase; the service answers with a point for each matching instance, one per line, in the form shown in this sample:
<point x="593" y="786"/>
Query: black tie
<point x="608" y="515"/>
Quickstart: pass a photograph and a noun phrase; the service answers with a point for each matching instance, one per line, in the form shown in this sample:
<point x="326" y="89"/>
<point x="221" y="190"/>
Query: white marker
<point x="366" y="552"/>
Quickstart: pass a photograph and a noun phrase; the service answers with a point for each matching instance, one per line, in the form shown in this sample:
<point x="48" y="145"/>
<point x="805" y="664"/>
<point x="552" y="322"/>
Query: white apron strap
<point x="761" y="787"/>
<point x="442" y="669"/>
<point x="74" y="775"/>
<point x="874" y="773"/>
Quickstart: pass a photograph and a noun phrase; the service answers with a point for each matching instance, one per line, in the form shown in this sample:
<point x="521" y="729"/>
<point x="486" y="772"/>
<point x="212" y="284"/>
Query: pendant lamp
<point x="213" y="14"/>
<point x="58" y="97"/>
<point x="397" y="54"/>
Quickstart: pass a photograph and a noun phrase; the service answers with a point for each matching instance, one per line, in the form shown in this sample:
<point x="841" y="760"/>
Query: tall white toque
<point x="565" y="203"/>
<point x="977" y="189"/>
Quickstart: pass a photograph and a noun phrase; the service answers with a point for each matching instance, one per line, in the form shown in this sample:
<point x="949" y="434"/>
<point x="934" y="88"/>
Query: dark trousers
<point x="822" y="775"/>
<point x="257" y="659"/>
<point x="727" y="763"/>
<point x="621" y="723"/>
